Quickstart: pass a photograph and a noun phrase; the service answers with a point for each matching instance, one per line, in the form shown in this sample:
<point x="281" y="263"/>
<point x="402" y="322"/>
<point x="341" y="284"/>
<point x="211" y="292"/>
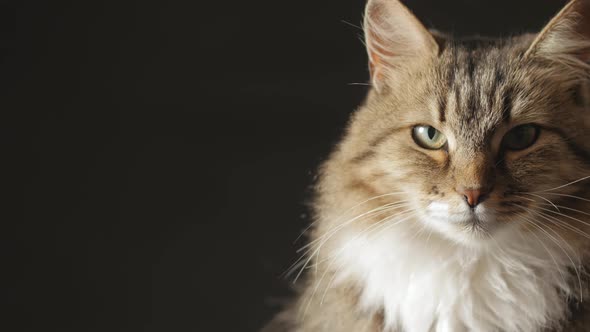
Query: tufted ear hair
<point x="393" y="36"/>
<point x="566" y="38"/>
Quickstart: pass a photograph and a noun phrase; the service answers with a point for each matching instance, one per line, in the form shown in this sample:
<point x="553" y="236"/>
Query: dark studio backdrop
<point x="167" y="148"/>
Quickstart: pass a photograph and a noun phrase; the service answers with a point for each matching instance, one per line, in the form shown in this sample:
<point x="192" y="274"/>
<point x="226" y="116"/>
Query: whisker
<point x="327" y="269"/>
<point x="385" y="227"/>
<point x="570" y="196"/>
<point x="562" y="224"/>
<point x="565" y="215"/>
<point x="309" y="246"/>
<point x="362" y="215"/>
<point x="548" y="251"/>
<point x="539" y="226"/>
<point x="368" y="229"/>
<point x="352" y="25"/>
<point x="565" y="185"/>
<point x="574" y="265"/>
<point x="541" y="197"/>
<point x="571" y="209"/>
<point x="331" y="233"/>
<point x="384" y="223"/>
<point x="349" y="210"/>
<point x="558" y="212"/>
<point x="542" y="214"/>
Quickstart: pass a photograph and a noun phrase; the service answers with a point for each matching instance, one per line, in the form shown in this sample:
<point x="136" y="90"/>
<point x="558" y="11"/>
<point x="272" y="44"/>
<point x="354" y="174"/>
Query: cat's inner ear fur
<point x="566" y="38"/>
<point x="393" y="37"/>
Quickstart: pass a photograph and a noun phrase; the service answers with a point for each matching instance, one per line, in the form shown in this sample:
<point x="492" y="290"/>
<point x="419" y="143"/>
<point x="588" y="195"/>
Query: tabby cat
<point x="459" y="197"/>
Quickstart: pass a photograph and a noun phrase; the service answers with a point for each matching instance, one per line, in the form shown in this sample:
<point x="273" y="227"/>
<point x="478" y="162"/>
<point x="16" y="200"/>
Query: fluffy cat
<point x="458" y="199"/>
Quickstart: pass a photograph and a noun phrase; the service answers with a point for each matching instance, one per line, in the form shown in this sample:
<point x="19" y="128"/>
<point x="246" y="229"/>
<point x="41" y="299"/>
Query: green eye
<point x="428" y="137"/>
<point x="521" y="137"/>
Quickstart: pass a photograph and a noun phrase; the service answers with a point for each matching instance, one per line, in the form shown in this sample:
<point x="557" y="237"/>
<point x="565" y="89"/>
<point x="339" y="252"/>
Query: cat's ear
<point x="393" y="36"/>
<point x="566" y="38"/>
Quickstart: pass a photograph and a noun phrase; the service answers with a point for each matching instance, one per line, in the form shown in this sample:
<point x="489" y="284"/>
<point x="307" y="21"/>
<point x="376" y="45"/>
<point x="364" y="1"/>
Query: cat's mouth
<point x="474" y="220"/>
<point x="479" y="219"/>
<point x="478" y="224"/>
<point x="467" y="225"/>
<point x="478" y="227"/>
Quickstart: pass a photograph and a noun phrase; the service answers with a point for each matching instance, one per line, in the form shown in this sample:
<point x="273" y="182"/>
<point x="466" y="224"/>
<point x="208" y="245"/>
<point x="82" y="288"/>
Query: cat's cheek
<point x="439" y="157"/>
<point x="438" y="210"/>
<point x="436" y="217"/>
<point x="447" y="209"/>
<point x="441" y="226"/>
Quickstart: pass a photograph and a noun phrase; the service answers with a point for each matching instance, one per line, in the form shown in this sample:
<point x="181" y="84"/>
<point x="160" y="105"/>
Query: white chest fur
<point x="425" y="283"/>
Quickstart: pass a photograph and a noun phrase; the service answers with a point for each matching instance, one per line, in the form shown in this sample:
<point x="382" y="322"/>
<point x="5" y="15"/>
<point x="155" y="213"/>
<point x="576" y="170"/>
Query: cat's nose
<point x="472" y="196"/>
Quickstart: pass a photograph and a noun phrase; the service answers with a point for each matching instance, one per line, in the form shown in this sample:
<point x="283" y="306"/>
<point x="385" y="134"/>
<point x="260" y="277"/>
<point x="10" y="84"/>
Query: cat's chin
<point x="468" y="234"/>
<point x="475" y="233"/>
<point x="469" y="228"/>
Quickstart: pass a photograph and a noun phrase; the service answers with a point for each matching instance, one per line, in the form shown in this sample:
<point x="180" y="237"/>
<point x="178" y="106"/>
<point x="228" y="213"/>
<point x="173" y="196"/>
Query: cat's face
<point x="477" y="141"/>
<point x="475" y="137"/>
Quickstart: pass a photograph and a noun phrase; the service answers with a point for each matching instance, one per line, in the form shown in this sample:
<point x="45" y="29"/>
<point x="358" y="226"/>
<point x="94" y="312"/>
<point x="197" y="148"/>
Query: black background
<point x="167" y="148"/>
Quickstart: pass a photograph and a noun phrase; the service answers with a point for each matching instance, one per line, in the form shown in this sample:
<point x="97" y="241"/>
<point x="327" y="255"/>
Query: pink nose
<point x="472" y="196"/>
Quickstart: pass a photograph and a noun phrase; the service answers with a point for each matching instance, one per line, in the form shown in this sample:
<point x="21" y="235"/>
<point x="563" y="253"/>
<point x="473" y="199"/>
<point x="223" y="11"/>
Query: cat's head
<point x="474" y="135"/>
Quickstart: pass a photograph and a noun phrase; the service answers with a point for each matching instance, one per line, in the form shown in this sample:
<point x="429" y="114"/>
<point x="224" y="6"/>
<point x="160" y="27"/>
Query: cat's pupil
<point x="431" y="132"/>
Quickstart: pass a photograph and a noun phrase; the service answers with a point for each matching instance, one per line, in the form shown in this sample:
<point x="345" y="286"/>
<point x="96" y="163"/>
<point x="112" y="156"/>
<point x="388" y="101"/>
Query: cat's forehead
<point x="477" y="83"/>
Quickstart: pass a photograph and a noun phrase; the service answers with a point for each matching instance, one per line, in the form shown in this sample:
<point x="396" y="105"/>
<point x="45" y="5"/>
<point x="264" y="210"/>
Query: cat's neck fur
<point x="422" y="282"/>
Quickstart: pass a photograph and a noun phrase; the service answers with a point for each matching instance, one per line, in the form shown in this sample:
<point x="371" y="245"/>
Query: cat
<point x="458" y="198"/>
